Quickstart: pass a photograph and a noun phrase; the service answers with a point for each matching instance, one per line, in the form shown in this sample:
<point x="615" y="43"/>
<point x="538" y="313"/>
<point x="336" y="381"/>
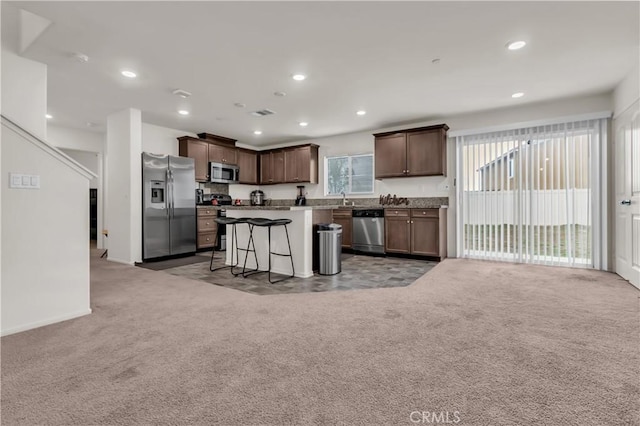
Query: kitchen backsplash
<point x="213" y="188"/>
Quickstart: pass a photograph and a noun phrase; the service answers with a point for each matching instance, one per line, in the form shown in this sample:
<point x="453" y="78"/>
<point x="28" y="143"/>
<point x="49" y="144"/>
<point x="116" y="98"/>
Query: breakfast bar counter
<point x="300" y="236"/>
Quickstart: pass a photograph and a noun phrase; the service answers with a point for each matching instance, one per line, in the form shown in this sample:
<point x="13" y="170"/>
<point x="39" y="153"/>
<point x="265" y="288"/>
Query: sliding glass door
<point x="527" y="195"/>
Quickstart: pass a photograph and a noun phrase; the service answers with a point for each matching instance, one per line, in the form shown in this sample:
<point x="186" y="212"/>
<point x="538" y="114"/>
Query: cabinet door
<point x="266" y="167"/>
<point x="426" y="155"/>
<point x="197" y="150"/>
<point x="248" y="164"/>
<point x="391" y="155"/>
<point x="297" y="165"/>
<point x="424" y="236"/>
<point x="345" y="221"/>
<point x="277" y="164"/>
<point x="396" y="235"/>
<point x="222" y="154"/>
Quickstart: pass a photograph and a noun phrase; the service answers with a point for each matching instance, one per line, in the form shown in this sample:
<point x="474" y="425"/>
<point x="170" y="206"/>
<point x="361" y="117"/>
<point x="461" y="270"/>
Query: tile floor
<point x="358" y="272"/>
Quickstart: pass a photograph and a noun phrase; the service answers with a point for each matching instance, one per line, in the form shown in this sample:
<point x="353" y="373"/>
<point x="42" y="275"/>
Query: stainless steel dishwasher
<point x="368" y="231"/>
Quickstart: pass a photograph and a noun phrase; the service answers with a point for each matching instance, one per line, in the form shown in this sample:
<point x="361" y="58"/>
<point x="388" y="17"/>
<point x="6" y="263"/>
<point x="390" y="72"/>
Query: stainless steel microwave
<point x="223" y="173"/>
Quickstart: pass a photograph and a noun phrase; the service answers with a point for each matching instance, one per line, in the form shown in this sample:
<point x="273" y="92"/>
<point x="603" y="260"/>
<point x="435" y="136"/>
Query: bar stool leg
<point x="245" y="273"/>
<point x="290" y="255"/>
<point x="234" y="235"/>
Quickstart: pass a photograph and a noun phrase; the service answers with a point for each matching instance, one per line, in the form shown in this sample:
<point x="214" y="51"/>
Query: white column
<point x="123" y="215"/>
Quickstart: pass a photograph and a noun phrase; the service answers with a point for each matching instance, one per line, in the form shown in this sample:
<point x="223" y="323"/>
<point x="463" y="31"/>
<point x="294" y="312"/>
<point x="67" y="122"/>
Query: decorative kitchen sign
<point x="393" y="200"/>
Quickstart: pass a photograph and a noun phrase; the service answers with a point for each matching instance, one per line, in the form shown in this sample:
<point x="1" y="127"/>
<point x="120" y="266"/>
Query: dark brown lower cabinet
<point x="343" y="217"/>
<point x="421" y="232"/>
<point x="397" y="231"/>
<point x="207" y="228"/>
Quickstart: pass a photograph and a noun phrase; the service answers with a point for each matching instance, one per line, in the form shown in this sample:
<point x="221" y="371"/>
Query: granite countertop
<point x="292" y="208"/>
<point x="356" y="207"/>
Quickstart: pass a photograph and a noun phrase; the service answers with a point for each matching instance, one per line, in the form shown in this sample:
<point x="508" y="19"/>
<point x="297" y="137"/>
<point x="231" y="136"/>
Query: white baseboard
<point x="42" y="323"/>
<point x="125" y="262"/>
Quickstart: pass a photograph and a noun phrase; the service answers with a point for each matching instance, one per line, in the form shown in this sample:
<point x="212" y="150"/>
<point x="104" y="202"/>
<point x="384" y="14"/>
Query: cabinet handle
<point x="207" y="238"/>
<point x="407" y="171"/>
<point x="207" y="223"/>
<point x="424" y="212"/>
<point x="407" y="221"/>
<point x="411" y="221"/>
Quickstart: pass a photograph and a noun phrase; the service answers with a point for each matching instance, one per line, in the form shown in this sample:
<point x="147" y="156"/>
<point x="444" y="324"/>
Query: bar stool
<point x="234" y="244"/>
<point x="269" y="223"/>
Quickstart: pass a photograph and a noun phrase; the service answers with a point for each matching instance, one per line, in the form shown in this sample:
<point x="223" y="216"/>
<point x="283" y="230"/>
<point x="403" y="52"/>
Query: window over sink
<point x="349" y="174"/>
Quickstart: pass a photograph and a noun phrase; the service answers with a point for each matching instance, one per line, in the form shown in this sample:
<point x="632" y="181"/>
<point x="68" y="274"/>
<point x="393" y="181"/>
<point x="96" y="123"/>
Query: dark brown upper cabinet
<point x="222" y="154"/>
<point x="301" y="164"/>
<point x="221" y="149"/>
<point x="271" y="167"/>
<point x="248" y="164"/>
<point x="297" y="164"/>
<point x="199" y="151"/>
<point x="412" y="152"/>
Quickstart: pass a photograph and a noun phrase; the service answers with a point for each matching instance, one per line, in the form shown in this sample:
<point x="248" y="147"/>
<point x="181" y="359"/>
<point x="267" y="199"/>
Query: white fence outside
<point x="537" y="207"/>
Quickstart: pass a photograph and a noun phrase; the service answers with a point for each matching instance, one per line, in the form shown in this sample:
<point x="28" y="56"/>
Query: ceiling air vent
<point x="262" y="112"/>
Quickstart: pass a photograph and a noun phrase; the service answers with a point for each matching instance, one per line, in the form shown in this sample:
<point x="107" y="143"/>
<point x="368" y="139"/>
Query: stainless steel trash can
<point x="330" y="248"/>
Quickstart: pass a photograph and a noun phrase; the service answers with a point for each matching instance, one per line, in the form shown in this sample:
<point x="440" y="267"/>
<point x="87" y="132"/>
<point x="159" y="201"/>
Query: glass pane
<point x="362" y="174"/>
<point x="337" y="175"/>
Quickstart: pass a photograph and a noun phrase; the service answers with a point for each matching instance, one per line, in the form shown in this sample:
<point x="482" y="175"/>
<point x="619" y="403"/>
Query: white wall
<point x="124" y="186"/>
<point x="80" y="140"/>
<point x="161" y="140"/>
<point x="89" y="160"/>
<point x="24" y="93"/>
<point x="45" y="274"/>
<point x="82" y="145"/>
<point x="627" y="92"/>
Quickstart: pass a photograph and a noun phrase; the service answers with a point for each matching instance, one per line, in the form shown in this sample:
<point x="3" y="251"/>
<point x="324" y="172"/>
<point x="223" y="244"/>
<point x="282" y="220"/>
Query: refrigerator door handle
<point x="168" y="193"/>
<point x="173" y="213"/>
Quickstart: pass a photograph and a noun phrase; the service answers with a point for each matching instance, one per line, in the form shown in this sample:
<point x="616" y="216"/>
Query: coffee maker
<point x="199" y="196"/>
<point x="301" y="199"/>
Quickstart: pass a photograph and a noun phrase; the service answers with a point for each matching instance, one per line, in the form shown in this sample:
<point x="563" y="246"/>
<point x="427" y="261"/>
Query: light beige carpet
<point x="497" y="343"/>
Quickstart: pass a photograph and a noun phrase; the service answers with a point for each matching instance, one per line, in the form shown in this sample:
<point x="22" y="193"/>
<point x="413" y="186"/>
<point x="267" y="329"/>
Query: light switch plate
<point x="15" y="180"/>
<point x="20" y="181"/>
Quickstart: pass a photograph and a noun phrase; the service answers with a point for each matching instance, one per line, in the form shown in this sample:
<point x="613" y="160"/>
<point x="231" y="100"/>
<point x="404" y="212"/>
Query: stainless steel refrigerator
<point x="168" y="206"/>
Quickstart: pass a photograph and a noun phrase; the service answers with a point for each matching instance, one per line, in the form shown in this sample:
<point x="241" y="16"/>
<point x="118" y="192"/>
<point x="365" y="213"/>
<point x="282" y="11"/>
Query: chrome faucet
<point x="344" y="198"/>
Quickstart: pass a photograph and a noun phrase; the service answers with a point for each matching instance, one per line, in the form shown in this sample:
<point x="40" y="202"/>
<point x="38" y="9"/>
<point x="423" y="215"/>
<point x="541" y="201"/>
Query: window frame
<point x="349" y="158"/>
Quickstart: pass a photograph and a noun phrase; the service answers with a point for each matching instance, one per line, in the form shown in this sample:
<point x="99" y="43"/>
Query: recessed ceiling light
<point x="280" y="94"/>
<point x="361" y="112"/>
<point x="239" y="105"/>
<point x="49" y="116"/>
<point x="257" y="132"/>
<point x="183" y="112"/>
<point x="303" y="124"/>
<point x="517" y="95"/>
<point x="129" y="74"/>
<point x="299" y="77"/>
<point x="515" y="45"/>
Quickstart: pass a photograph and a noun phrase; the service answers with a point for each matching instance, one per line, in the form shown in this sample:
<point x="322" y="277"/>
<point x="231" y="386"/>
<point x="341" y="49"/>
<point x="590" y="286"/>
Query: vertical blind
<point x="527" y="195"/>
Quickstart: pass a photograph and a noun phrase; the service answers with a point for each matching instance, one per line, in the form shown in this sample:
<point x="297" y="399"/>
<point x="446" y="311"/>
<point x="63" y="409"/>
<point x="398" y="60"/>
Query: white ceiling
<point x="375" y="56"/>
